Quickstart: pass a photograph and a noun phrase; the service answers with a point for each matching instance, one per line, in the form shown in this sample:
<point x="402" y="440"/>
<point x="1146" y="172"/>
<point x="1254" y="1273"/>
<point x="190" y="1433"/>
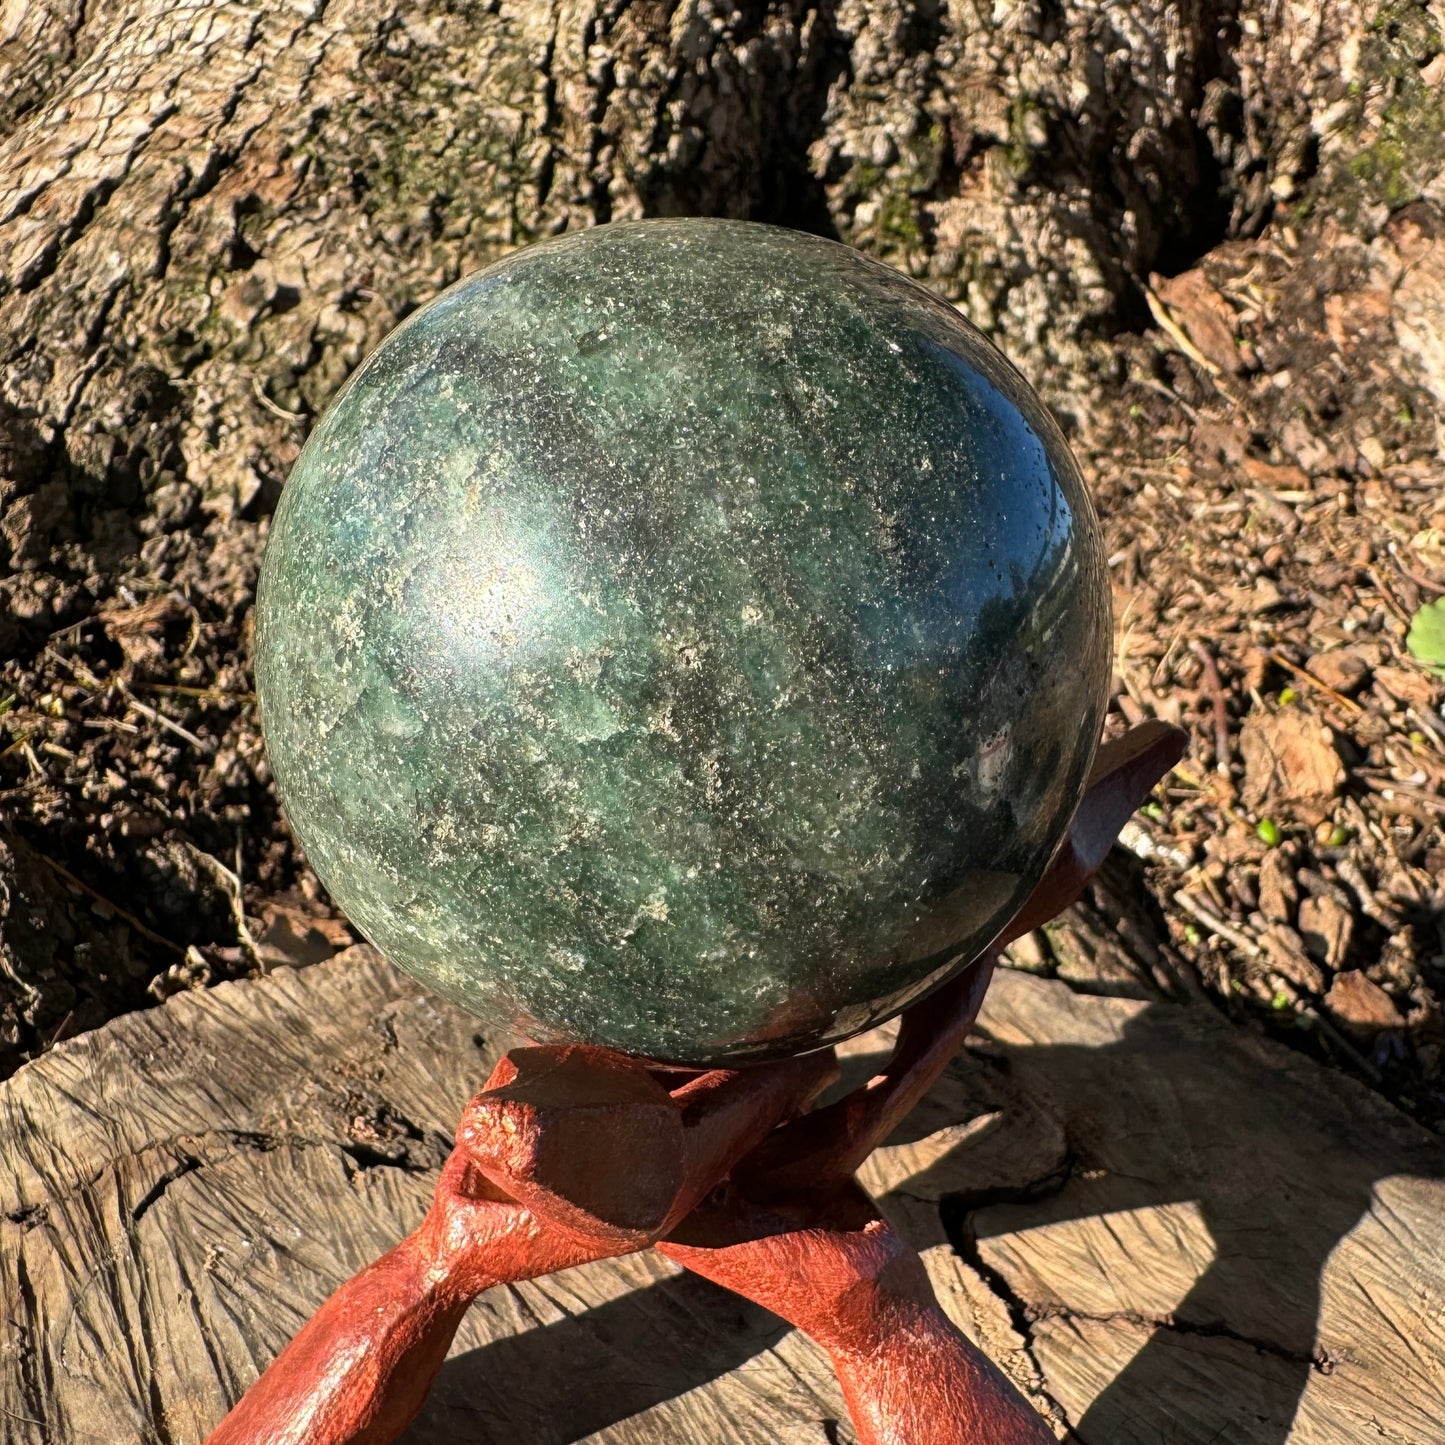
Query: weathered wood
<point x="1169" y="1231"/>
<point x="1242" y="1241"/>
<point x="184" y="1187"/>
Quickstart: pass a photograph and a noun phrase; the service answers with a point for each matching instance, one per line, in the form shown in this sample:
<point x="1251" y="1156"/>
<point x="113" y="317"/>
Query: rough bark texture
<point x="1100" y="1200"/>
<point x="210" y="206"/>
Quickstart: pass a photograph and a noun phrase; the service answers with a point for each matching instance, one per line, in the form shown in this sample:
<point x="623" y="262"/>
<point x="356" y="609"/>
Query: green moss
<point x="864" y="179"/>
<point x="898" y="221"/>
<point x="1025" y="116"/>
<point x="440" y="139"/>
<point x="1407" y="24"/>
<point x="1410" y="148"/>
<point x="1296" y="213"/>
<point x="899" y="191"/>
<point x="1393" y="159"/>
<point x="923" y="160"/>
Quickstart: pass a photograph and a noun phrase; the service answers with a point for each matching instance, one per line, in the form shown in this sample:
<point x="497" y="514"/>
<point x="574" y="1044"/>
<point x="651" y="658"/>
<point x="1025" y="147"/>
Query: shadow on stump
<point x="1273" y="1156"/>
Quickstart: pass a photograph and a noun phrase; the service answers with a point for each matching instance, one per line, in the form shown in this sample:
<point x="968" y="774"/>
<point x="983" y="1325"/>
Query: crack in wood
<point x="1204" y="1329"/>
<point x="188" y="1164"/>
<point x="193" y="1147"/>
<point x="954" y="1213"/>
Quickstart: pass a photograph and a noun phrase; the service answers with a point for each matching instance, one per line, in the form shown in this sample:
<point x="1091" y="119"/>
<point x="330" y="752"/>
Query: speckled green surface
<point x="684" y="636"/>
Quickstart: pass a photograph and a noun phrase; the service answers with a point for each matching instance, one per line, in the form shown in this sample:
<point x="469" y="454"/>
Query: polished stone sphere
<point x="684" y="636"/>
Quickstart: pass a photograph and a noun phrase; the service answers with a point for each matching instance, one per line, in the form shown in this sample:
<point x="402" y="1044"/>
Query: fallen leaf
<point x="1362" y="1006"/>
<point x="1207" y="318"/>
<point x="1290" y="756"/>
<point x="1426" y="638"/>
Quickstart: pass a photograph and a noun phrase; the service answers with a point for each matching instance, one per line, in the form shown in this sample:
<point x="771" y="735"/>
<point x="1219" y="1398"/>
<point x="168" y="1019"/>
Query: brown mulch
<point x="1274" y="496"/>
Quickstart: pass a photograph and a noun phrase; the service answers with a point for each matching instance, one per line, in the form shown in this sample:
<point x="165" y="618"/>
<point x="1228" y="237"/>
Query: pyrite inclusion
<point x="685" y="636"/>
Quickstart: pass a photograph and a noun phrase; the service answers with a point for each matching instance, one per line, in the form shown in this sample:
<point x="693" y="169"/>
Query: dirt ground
<point x="1235" y="299"/>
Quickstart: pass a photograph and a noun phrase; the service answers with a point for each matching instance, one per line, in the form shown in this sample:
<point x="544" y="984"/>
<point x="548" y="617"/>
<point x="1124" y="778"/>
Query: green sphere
<point x="684" y="636"/>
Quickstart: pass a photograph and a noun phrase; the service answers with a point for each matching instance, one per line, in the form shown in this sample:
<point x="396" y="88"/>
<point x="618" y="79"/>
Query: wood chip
<point x="1288" y="756"/>
<point x="1206" y="317"/>
<point x="1407" y="685"/>
<point x="1430" y="545"/>
<point x="1341" y="669"/>
<point x="1419" y="316"/>
<point x="1287" y="478"/>
<point x="1348" y="316"/>
<point x="1287" y="956"/>
<point x="1278" y="892"/>
<point x="139" y="631"/>
<point x="1326" y="928"/>
<point x="289" y="938"/>
<point x="1361" y="1006"/>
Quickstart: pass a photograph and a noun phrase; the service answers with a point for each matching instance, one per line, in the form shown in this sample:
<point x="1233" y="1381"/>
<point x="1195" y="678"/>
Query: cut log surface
<point x="1164" y="1230"/>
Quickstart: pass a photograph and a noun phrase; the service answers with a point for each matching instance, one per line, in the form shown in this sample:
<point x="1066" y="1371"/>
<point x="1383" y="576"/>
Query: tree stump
<point x="1163" y="1230"/>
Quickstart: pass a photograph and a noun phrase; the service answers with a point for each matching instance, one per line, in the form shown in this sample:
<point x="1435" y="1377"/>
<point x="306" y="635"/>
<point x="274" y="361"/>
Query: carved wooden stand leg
<point x="575" y="1154"/>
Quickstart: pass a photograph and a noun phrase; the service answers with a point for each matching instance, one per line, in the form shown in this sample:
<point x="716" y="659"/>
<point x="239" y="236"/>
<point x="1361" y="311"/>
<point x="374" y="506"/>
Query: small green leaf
<point x="1426" y="638"/>
<point x="1153" y="811"/>
<point x="1281" y="1000"/>
<point x="1268" y="831"/>
<point x="1287" y="696"/>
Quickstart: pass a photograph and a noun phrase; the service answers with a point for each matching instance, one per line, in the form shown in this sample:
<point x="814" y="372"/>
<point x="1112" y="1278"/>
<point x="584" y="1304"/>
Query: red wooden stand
<point x="574" y="1154"/>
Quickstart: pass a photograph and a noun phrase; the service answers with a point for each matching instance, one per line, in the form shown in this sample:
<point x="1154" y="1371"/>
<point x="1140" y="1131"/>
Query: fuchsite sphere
<point x="684" y="636"/>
